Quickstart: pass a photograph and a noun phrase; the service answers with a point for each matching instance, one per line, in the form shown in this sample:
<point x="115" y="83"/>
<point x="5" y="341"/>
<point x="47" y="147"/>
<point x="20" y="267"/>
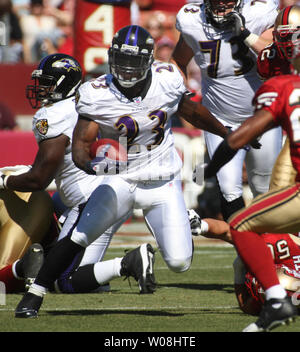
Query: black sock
<point x="57" y="260"/>
<point x="83" y="280"/>
<point x="229" y="208"/>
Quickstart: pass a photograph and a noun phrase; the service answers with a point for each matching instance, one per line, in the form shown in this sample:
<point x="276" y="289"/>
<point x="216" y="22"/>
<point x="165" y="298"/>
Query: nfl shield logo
<point x="137" y="100"/>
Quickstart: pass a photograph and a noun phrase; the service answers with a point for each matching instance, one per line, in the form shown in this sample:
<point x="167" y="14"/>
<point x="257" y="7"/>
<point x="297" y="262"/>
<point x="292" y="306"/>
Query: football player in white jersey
<point x="133" y="103"/>
<point x="224" y="36"/>
<point x="56" y="81"/>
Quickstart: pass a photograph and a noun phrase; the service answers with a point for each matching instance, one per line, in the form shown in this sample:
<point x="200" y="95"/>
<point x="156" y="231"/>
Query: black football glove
<point x="238" y="25"/>
<point x="255" y="144"/>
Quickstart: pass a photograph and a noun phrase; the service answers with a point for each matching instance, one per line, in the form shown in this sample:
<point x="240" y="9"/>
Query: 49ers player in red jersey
<point x="285" y="251"/>
<point x="273" y="59"/>
<point x="277" y="103"/>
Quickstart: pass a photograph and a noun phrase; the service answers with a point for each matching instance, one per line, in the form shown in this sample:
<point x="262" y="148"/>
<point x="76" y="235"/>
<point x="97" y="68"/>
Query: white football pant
<point x="96" y="250"/>
<point x="259" y="164"/>
<point x="163" y="207"/>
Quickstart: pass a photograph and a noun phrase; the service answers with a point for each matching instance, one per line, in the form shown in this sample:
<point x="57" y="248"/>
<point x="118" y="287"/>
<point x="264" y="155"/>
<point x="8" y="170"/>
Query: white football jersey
<point x="144" y="124"/>
<point x="73" y="184"/>
<point x="228" y="68"/>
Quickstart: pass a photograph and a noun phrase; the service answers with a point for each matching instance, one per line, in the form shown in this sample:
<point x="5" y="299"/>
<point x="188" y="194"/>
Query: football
<point x="108" y="148"/>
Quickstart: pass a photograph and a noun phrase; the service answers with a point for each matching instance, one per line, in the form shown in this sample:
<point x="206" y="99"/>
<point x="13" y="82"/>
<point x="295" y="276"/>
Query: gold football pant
<point x="25" y="218"/>
<point x="283" y="173"/>
<point x="277" y="211"/>
<point x="279" y="205"/>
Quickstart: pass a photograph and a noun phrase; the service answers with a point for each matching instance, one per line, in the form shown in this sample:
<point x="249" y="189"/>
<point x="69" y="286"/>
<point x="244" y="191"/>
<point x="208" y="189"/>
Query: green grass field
<point x="199" y="300"/>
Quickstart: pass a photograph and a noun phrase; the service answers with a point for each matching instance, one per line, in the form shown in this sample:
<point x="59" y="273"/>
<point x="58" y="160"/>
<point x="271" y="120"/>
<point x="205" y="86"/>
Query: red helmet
<point x="287" y="30"/>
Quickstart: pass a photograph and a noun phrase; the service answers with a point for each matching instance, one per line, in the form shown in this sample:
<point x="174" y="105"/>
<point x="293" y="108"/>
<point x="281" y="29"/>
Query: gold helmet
<point x="287" y="29"/>
<point x="290" y="280"/>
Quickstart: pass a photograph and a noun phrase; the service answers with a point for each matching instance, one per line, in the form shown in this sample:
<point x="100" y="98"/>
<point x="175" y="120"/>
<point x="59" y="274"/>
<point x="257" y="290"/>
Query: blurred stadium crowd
<point x="37" y="28"/>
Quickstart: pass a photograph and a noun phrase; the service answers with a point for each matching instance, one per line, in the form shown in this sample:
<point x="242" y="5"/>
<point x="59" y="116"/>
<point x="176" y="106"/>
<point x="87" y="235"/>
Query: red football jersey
<point x="270" y="63"/>
<point x="284" y="249"/>
<point x="281" y="96"/>
<point x="286" y="255"/>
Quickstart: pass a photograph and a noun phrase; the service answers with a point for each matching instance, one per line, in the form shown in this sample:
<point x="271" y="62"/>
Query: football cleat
<point x="195" y="222"/>
<point x="28" y="306"/>
<point x="139" y="264"/>
<point x="31" y="263"/>
<point x="275" y="312"/>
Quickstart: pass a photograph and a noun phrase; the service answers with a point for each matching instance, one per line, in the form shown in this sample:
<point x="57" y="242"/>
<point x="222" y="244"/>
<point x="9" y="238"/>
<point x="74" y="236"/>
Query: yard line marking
<point x="209" y="252"/>
<point x="121" y="244"/>
<point x="127" y="308"/>
<point x="199" y="267"/>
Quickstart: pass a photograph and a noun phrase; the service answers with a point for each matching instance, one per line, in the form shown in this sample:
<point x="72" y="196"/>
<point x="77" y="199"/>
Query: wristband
<point x="251" y="39"/>
<point x="204" y="227"/>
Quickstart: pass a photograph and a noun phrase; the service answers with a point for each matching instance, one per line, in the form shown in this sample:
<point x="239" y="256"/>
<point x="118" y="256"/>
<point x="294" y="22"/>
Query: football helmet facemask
<point x="287" y="30"/>
<point x="57" y="77"/>
<point x="131" y="55"/>
<point x="217" y="11"/>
